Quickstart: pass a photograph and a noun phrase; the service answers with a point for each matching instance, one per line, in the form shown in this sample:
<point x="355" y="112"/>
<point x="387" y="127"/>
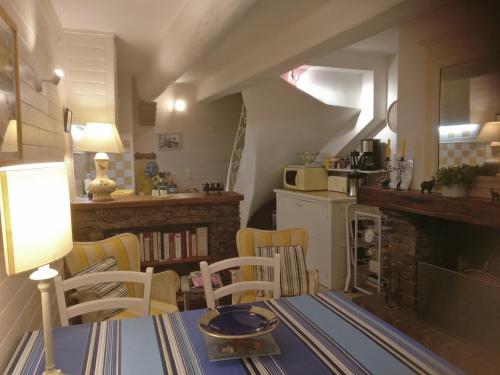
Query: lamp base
<point x="101" y="189"/>
<point x="102" y="186"/>
<point x="43" y="275"/>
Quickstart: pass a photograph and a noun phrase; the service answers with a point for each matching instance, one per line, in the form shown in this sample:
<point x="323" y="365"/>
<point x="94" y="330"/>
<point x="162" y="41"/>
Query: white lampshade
<point x="100" y="137"/>
<point x="36" y="215"/>
<point x="9" y="142"/>
<point x="490" y="132"/>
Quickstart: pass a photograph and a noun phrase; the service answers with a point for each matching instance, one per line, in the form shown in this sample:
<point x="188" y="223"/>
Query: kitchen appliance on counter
<point x="346" y="183"/>
<point x="370" y="159"/>
<point x="339" y="184"/>
<point x="305" y="177"/>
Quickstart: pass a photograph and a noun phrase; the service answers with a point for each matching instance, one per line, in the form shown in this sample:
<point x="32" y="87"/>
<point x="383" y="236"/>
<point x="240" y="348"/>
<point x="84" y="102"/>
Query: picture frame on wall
<point x="169" y="141"/>
<point x="10" y="107"/>
<point x="68" y="119"/>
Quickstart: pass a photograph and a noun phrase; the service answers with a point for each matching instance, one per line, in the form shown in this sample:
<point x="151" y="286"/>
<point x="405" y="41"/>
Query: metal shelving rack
<point x="371" y="234"/>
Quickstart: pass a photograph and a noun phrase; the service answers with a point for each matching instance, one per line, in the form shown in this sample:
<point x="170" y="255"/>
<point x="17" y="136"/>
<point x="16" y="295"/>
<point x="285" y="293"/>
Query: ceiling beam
<point x="335" y="25"/>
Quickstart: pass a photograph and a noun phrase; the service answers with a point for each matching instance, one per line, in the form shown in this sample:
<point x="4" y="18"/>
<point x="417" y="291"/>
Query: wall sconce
<point x="56" y="78"/>
<point x="180" y="105"/>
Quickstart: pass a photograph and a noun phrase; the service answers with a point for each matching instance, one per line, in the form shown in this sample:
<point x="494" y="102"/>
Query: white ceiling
<point x="138" y="24"/>
<point x="386" y="42"/>
<point x="263" y="21"/>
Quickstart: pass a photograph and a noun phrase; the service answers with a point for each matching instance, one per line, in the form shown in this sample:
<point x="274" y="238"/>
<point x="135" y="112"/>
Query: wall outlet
<point x="189" y="173"/>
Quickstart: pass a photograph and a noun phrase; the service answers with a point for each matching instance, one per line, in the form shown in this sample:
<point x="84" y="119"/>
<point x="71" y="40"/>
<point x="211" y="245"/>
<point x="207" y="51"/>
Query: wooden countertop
<point x="480" y="211"/>
<point x="320" y="195"/>
<point x="148" y="200"/>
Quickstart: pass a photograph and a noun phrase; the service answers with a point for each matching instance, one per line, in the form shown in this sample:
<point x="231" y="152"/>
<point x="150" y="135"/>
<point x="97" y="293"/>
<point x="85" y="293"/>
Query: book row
<point x="159" y="246"/>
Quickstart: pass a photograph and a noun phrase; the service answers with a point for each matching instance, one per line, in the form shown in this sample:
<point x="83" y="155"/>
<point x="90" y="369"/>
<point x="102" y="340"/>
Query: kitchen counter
<point x="148" y="201"/>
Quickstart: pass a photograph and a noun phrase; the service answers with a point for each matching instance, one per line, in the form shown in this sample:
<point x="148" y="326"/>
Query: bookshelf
<point x="170" y="244"/>
<point x="174" y="261"/>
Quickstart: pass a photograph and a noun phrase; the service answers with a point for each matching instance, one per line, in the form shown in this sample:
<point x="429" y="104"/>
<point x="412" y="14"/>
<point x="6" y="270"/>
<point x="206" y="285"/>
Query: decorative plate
<point x="238" y="322"/>
<point x="392" y="116"/>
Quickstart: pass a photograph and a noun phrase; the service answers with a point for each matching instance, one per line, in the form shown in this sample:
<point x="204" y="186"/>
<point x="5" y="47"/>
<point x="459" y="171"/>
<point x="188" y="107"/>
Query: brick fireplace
<point x="448" y="244"/>
<point x="451" y="233"/>
<point x="435" y="242"/>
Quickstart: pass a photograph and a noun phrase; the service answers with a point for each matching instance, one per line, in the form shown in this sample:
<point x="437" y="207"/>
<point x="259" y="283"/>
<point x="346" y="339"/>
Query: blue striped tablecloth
<point x="317" y="334"/>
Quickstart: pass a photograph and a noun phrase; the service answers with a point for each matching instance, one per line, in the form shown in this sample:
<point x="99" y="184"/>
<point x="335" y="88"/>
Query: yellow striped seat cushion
<point x="91" y="292"/>
<point x="293" y="273"/>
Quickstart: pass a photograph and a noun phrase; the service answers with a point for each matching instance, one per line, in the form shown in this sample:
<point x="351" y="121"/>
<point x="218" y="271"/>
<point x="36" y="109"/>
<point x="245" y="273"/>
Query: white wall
<point x="373" y="100"/>
<point x="392" y="94"/>
<point x="281" y="121"/>
<point x="40" y="50"/>
<point x="207" y="132"/>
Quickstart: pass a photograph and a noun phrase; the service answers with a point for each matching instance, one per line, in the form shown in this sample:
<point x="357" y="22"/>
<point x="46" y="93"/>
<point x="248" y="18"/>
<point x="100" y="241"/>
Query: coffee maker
<point x="370" y="157"/>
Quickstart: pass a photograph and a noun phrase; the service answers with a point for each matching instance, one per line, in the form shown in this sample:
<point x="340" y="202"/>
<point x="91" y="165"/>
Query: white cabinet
<point x="322" y="215"/>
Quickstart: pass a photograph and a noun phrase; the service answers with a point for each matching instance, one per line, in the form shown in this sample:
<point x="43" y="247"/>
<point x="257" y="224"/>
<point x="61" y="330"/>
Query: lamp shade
<point x="36" y="215"/>
<point x="490" y="132"/>
<point x="100" y="137"/>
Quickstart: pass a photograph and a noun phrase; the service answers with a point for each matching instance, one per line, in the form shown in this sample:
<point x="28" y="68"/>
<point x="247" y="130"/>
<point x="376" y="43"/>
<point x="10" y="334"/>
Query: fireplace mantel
<point x="478" y="211"/>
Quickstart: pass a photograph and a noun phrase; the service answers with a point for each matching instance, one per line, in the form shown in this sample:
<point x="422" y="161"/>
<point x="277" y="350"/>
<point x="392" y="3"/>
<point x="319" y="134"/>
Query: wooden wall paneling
<point x="40" y="51"/>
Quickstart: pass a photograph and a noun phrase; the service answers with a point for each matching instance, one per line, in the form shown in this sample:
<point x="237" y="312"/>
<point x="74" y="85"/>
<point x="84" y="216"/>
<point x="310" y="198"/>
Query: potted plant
<point x="457" y="180"/>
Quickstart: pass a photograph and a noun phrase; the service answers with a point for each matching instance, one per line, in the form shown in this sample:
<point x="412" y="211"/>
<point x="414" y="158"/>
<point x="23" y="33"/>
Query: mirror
<point x="10" y="124"/>
<point x="469" y="98"/>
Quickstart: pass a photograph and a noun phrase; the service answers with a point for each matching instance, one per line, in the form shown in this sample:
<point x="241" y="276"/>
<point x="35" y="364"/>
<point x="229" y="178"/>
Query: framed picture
<point x="169" y="141"/>
<point x="68" y="119"/>
<point x="10" y="110"/>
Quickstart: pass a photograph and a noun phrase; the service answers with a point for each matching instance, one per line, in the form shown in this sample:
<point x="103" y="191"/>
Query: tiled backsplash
<point x="120" y="166"/>
<point x="462" y="153"/>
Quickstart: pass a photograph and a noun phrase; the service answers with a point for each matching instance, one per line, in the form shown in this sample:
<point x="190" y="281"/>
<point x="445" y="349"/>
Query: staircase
<point x="239" y="144"/>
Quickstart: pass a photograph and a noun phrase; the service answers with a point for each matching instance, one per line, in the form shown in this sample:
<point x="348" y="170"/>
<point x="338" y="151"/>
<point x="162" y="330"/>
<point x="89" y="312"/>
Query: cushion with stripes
<point x="101" y="290"/>
<point x="293" y="269"/>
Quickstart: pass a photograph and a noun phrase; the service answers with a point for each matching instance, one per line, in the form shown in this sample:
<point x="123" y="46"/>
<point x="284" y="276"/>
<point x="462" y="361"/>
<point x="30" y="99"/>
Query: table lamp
<point x="490" y="132"/>
<point x="36" y="230"/>
<point x="100" y="138"/>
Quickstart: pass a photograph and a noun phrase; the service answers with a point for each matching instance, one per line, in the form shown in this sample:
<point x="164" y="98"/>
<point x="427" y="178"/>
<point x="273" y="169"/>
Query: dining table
<point x="323" y="333"/>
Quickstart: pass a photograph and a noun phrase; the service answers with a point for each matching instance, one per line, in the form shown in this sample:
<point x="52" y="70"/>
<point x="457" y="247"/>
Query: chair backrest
<point x="124" y="247"/>
<point x="213" y="295"/>
<point x="247" y="239"/>
<point x="139" y="304"/>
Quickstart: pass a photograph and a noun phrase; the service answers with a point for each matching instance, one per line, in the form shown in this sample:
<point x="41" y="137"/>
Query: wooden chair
<point x="212" y="295"/>
<point x="125" y="248"/>
<point x="140" y="304"/>
<point x="247" y="239"/>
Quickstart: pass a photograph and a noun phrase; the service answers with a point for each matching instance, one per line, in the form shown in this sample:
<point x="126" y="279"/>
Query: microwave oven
<point x="305" y="178"/>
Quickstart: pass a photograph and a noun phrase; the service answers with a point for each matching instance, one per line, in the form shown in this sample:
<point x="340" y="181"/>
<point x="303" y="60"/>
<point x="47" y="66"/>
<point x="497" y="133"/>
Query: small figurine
<point x="216" y="187"/>
<point x="495" y="196"/>
<point x="427" y="185"/>
<point x="219" y="187"/>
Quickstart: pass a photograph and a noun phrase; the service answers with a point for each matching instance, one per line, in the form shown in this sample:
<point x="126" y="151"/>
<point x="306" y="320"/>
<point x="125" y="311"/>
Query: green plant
<point x="464" y="175"/>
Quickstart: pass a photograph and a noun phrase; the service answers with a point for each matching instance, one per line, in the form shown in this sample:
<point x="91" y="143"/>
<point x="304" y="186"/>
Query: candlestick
<point x="403" y="148"/>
